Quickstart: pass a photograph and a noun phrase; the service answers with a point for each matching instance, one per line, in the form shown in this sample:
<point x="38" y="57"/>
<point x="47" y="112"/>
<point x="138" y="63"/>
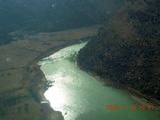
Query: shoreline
<point x="43" y="83"/>
<point x="137" y="96"/>
<point x="140" y="98"/>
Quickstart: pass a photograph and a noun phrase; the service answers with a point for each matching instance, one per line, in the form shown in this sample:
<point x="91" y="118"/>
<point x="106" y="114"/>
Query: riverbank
<point x="21" y="78"/>
<point x="81" y="96"/>
<point x="42" y="83"/>
<point x="139" y="97"/>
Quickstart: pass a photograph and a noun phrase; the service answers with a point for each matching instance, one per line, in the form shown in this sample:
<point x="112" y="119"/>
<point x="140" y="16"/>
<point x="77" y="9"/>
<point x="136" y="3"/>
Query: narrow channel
<point x="80" y="96"/>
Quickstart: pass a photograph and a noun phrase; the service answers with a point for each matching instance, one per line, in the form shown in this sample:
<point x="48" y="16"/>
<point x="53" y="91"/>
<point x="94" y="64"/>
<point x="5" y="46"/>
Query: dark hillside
<point x="127" y="49"/>
<point x="30" y="16"/>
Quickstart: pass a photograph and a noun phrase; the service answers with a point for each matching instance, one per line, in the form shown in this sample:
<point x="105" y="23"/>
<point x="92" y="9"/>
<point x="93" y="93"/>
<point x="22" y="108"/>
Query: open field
<point x="20" y="77"/>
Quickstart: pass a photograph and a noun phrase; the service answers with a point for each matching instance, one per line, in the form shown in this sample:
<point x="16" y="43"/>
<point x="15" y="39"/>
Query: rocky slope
<point x="127" y="49"/>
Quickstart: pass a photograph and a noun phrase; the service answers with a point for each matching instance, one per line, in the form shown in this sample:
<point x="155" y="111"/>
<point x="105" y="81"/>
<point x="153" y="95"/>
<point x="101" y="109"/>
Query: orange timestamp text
<point x="130" y="107"/>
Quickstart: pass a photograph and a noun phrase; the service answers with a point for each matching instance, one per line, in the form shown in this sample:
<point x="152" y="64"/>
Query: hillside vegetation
<point x="127" y="49"/>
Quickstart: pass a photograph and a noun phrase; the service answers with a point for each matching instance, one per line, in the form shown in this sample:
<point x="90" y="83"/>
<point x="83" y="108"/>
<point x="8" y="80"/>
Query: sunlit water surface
<point x="80" y="96"/>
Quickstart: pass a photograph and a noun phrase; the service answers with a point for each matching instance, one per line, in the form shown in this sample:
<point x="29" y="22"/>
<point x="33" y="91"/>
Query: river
<point x="80" y="96"/>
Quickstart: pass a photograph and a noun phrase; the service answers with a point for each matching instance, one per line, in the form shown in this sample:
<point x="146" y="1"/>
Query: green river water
<point x="80" y="96"/>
